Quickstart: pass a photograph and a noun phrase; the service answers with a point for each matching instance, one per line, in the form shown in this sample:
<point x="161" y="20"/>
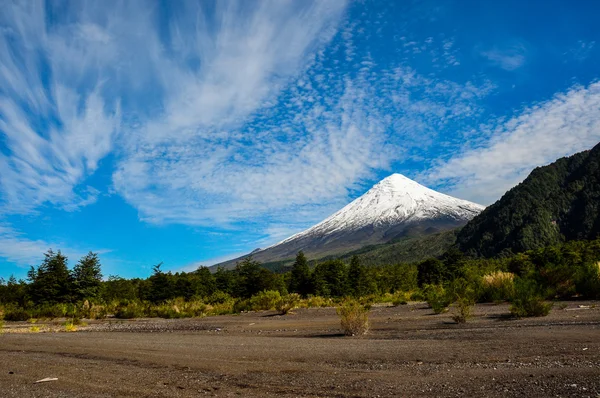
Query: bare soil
<point x="408" y="352"/>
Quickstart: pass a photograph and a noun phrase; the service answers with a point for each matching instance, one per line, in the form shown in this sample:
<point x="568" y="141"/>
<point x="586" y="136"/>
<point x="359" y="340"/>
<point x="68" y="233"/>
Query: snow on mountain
<point x="394" y="200"/>
<point x="395" y="207"/>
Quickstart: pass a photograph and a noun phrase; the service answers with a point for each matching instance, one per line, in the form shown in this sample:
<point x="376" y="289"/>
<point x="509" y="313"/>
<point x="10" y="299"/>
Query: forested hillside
<point x="555" y="203"/>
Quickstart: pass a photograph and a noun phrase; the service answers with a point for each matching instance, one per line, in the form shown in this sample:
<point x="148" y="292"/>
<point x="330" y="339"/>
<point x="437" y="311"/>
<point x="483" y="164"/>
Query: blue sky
<point x="188" y="132"/>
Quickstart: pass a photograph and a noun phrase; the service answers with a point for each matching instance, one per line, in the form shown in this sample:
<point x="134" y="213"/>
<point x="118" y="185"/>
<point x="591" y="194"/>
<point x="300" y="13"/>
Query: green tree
<point x="161" y="288"/>
<point x="87" y="277"/>
<point x="51" y="282"/>
<point x="359" y="281"/>
<point x="329" y="278"/>
<point x="251" y="278"/>
<point x="300" y="276"/>
<point x="431" y="272"/>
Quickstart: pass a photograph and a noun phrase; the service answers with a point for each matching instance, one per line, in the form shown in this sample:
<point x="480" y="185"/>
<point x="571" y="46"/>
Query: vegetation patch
<point x="354" y="317"/>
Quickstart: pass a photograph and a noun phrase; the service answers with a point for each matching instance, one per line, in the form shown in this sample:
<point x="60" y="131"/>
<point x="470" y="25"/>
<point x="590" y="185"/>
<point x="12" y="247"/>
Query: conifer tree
<point x="87" y="277"/>
<point x="300" y="276"/>
<point x="51" y="282"/>
<point x="358" y="283"/>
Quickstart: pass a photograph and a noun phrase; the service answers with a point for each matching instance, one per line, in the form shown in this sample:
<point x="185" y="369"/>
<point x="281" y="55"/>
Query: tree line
<point x="565" y="270"/>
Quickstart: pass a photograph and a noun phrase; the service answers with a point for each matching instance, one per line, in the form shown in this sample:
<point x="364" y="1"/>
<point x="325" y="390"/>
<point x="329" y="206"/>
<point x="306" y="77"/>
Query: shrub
<point x="528" y="300"/>
<point x="400" y="298"/>
<point x="288" y="303"/>
<point x="130" y="310"/>
<point x="241" y="305"/>
<point x="417" y="296"/>
<point x="354" y="318"/>
<point x="463" y="308"/>
<point x="16" y="314"/>
<point x="497" y="286"/>
<point x="218" y="297"/>
<point x="588" y="281"/>
<point x="318" y="301"/>
<point x="438" y="298"/>
<point x="265" y="300"/>
<point x="221" y="309"/>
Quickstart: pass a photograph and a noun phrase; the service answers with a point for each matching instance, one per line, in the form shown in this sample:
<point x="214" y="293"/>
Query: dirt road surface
<point x="409" y="352"/>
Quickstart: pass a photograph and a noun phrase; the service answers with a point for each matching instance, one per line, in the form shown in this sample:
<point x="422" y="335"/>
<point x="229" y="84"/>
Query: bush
<point x="354" y="318"/>
<point x="400" y="298"/>
<point x="265" y="300"/>
<point x="528" y="300"/>
<point x="288" y="303"/>
<point x="463" y="308"/>
<point x="221" y="309"/>
<point x="130" y="310"/>
<point x="588" y="282"/>
<point x="318" y="302"/>
<point x="218" y="297"/>
<point x="16" y="314"/>
<point x="417" y="296"/>
<point x="438" y="298"/>
<point x="497" y="286"/>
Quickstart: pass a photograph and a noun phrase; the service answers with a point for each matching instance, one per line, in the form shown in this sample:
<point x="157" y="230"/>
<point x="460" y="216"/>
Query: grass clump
<point x="70" y="327"/>
<point x="354" y="317"/>
<point x="528" y="300"/>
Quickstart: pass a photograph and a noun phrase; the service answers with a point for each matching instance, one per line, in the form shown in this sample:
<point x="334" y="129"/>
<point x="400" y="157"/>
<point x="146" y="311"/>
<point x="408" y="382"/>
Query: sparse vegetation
<point x="560" y="271"/>
<point x="497" y="286"/>
<point x="463" y="310"/>
<point x="288" y="303"/>
<point x="354" y="317"/>
<point x="528" y="301"/>
<point x="438" y="298"/>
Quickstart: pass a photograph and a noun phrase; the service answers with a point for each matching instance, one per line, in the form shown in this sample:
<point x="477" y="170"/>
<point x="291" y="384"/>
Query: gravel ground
<point x="408" y="352"/>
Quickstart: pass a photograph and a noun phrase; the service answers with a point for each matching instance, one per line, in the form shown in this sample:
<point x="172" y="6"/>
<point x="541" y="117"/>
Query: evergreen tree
<point x="205" y="282"/>
<point x="252" y="278"/>
<point x="87" y="277"/>
<point x="360" y="282"/>
<point x="431" y="272"/>
<point x="161" y="288"/>
<point x="51" y="282"/>
<point x="330" y="279"/>
<point x="300" y="276"/>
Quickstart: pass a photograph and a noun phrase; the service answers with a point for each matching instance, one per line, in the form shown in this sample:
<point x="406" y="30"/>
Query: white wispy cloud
<point x="508" y="58"/>
<point x="17" y="248"/>
<point x="56" y="126"/>
<point x="298" y="163"/>
<point x="566" y="124"/>
<point x="215" y="115"/>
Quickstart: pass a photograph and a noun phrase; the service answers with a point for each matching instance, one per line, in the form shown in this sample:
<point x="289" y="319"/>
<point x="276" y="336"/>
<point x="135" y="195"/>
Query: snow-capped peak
<point x="394" y="200"/>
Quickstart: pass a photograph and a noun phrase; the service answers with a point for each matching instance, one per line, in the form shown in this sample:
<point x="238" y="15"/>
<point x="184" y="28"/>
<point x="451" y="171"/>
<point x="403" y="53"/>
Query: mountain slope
<point x="395" y="207"/>
<point x="554" y="203"/>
